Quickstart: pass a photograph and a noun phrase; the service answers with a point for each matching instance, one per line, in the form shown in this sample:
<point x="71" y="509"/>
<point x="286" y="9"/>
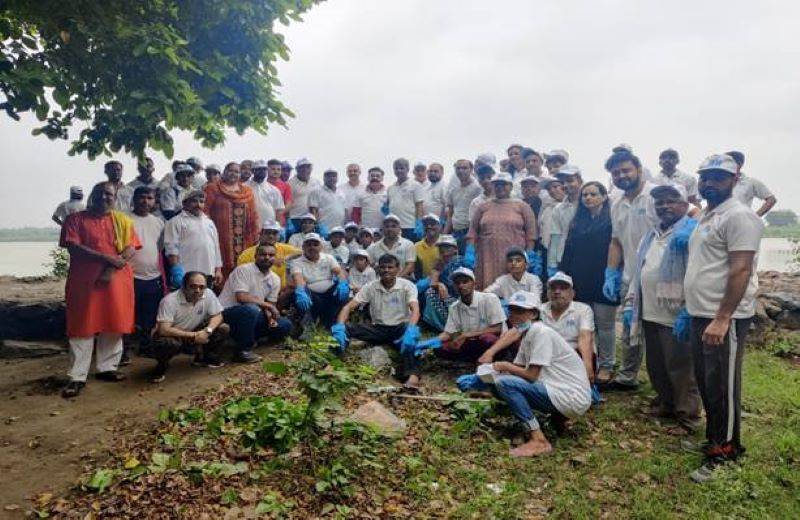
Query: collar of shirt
<point x="476" y="298"/>
<point x="548" y="310"/>
<point x="708" y="213"/>
<point x="380" y="287"/>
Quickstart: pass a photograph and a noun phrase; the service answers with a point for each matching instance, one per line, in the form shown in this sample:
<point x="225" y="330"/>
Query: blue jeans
<point x="248" y="323"/>
<point x="325" y="306"/>
<point x="522" y="396"/>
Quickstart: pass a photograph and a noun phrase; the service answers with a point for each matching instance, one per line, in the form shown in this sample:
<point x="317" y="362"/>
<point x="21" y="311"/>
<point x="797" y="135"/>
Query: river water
<point x="31" y="258"/>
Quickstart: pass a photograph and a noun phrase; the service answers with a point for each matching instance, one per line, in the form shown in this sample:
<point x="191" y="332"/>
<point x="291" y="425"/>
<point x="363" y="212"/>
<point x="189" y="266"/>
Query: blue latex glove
<point x="680" y="329"/>
<point x="596" y="397"/>
<point x="469" y="256"/>
<point x="290" y="228"/>
<point x="423" y="285"/>
<point x="681" y="236"/>
<point x="613" y="281"/>
<point x="422" y="346"/>
<point x="385" y="209"/>
<point x="342" y="291"/>
<point x="323" y="230"/>
<point x="339" y="333"/>
<point x="409" y="339"/>
<point x="535" y="262"/>
<point x="471" y="382"/>
<point x="176" y="274"/>
<point x="627" y="317"/>
<point x="504" y="304"/>
<point x="551" y="271"/>
<point x="282" y="235"/>
<point x="302" y="299"/>
<point x="419" y="229"/>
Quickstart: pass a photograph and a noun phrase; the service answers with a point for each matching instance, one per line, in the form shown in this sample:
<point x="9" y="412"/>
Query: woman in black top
<point x="585" y="258"/>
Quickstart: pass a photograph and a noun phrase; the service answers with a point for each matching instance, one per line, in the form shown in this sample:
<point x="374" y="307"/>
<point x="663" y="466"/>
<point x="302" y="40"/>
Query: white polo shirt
<point x="650" y="276"/>
<point x="729" y="227"/>
<point x="359" y="279"/>
<point x="194" y="240"/>
<point x="433" y="197"/>
<point x="630" y="220"/>
<point x="248" y="278"/>
<point x="67" y="208"/>
<point x="546" y="222"/>
<point x="484" y="311"/>
<point x="371" y="203"/>
<point x="268" y="200"/>
<point x="330" y="205"/>
<point x="578" y="317"/>
<point x="749" y="188"/>
<point x="184" y="315"/>
<point x="388" y="306"/>
<point x="460" y="197"/>
<point x="402" y="201"/>
<point x="300" y="192"/>
<point x="688" y="181"/>
<point x="403" y="249"/>
<point x="506" y="285"/>
<point x="318" y="275"/>
<point x="145" y="261"/>
<point x="350" y="193"/>
<point x="562" y="371"/>
<point x="562" y="217"/>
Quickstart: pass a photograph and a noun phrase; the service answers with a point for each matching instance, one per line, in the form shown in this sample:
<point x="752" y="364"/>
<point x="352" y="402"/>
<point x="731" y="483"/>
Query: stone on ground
<point x="376" y="357"/>
<point x="374" y="414"/>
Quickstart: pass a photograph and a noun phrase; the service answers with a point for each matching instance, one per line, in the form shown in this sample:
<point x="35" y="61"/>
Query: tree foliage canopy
<point x="781" y="217"/>
<point x="129" y="73"/>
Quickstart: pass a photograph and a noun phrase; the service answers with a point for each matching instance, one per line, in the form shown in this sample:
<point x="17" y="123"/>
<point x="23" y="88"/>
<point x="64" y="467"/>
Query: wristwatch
<point x="209" y="330"/>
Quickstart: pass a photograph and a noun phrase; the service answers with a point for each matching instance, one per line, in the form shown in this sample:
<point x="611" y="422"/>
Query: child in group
<point x="361" y="273"/>
<point x="336" y="246"/>
<point x="351" y="237"/>
<point x="308" y="223"/>
<point x="517" y="278"/>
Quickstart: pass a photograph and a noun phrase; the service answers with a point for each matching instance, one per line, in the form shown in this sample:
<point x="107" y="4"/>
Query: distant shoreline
<point x="30" y="234"/>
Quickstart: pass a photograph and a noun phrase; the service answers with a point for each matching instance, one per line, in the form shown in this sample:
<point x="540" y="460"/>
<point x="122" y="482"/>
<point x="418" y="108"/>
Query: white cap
<point x="307" y="216"/>
<point x="531" y="178"/>
<point x="214" y="167"/>
<point x="503" y="177"/>
<point x="446" y="240"/>
<point x="261" y="163"/>
<point x="545" y="181"/>
<point x="560" y="277"/>
<point x="302" y="162"/>
<point x="557" y="153"/>
<point x="312" y="237"/>
<point x="670" y="189"/>
<point x="391" y="216"/>
<point x="524" y="300"/>
<point x="462" y="271"/>
<point x="720" y="162"/>
<point x="350" y="225"/>
<point x="419" y="165"/>
<point x="184" y="168"/>
<point x="568" y="169"/>
<point x="486" y="158"/>
<point x="336" y="229"/>
<point x="431" y="216"/>
<point x="270" y="225"/>
<point x="361" y="252"/>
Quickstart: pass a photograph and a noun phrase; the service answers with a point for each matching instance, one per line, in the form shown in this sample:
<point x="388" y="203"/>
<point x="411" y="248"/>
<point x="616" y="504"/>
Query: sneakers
<point x="247" y="357"/>
<point x="706" y="472"/>
<point x="716" y="457"/>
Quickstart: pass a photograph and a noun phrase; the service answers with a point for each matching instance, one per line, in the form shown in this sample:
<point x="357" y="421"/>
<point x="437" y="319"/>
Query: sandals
<point x="72" y="389"/>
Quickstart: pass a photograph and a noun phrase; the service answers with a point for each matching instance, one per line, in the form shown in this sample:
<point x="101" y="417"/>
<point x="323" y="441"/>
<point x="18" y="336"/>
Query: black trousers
<point x="148" y="294"/>
<point x="718" y="371"/>
<point x="385" y="335"/>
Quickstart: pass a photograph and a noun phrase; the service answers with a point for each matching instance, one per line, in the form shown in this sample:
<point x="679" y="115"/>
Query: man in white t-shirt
<point x="148" y="286"/>
<point x="670" y="174"/>
<point x="327" y="203"/>
<point x="301" y="185"/>
<point x="747" y="188"/>
<point x="406" y="200"/>
<point x="171" y="197"/>
<point x="720" y="287"/>
<point x="269" y="201"/>
<point x="249" y="297"/>
<point x="320" y="283"/>
<point x="189" y="320"/>
<point x="68" y="207"/>
<point x="396" y="245"/>
<point x="458" y="199"/>
<point x="351" y="189"/>
<point x="370" y="205"/>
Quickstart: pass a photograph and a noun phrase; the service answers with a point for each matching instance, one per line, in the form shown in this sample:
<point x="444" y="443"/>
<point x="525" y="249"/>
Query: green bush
<point x="261" y="422"/>
<point x="59" y="262"/>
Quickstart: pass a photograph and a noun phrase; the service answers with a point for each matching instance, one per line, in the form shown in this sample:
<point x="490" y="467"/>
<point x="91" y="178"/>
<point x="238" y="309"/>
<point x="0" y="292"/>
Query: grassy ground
<point x="452" y="463"/>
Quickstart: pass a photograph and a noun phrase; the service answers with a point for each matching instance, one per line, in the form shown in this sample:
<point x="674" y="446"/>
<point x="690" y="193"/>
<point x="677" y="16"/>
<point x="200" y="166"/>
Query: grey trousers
<point x="632" y="355"/>
<point x="671" y="371"/>
<point x="605" y="323"/>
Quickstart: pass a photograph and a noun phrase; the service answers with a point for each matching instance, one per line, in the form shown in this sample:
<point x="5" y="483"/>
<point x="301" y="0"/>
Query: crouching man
<point x="320" y="284"/>
<point x="394" y="312"/>
<point x="249" y="298"/>
<point x="189" y="320"/>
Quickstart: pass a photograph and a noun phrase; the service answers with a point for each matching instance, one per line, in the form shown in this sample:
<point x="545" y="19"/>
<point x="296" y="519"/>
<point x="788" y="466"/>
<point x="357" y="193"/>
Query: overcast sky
<point x="438" y="80"/>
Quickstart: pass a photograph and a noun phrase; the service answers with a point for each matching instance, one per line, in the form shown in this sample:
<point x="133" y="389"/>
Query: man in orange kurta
<point x="99" y="290"/>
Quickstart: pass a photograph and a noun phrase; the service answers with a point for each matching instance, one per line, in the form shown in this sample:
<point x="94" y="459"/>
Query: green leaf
<point x="101" y="479"/>
<point x="275" y="367"/>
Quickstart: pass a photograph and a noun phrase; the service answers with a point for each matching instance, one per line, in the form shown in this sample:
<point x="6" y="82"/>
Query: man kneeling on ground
<point x="394" y="312"/>
<point x="546" y="377"/>
<point x="249" y="298"/>
<point x="189" y="320"/>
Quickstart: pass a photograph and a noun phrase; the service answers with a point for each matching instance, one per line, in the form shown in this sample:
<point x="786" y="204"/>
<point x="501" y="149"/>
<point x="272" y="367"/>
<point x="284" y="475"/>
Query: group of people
<point x="519" y="270"/>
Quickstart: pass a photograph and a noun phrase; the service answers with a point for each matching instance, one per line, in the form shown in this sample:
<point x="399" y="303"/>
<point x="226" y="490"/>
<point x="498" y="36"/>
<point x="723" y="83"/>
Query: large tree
<point x="128" y="72"/>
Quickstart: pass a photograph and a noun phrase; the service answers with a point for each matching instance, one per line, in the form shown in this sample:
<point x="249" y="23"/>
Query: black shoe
<point x="247" y="357"/>
<point x="213" y="362"/>
<point x="72" y="389"/>
<point x="616" y="386"/>
<point x="111" y="376"/>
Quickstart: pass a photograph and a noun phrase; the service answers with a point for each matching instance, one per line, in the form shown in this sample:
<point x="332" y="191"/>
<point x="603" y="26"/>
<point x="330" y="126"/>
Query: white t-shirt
<point x="330" y="206"/>
<point x="341" y="252"/>
<point x="371" y="204"/>
<point x="630" y="220"/>
<point x="546" y="221"/>
<point x="650" y="275"/>
<point x="350" y="193"/>
<point x="562" y="371"/>
<point x="171" y="199"/>
<point x="187" y="316"/>
<point x="484" y="311"/>
<point x="359" y="279"/>
<point x="507" y="285"/>
<point x="249" y="278"/>
<point x="729" y="227"/>
<point x="402" y="201"/>
<point x="460" y="197"/>
<point x="749" y="188"/>
<point x="268" y="200"/>
<point x="318" y="275"/>
<point x="562" y="217"/>
<point x="145" y="261"/>
<point x="403" y="249"/>
<point x="578" y="317"/>
<point x="194" y="240"/>
<point x="67" y="208"/>
<point x="388" y="306"/>
<point x="300" y="192"/>
<point x="433" y="200"/>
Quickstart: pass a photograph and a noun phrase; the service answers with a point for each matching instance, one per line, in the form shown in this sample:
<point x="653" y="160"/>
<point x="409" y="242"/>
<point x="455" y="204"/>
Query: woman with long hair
<point x="585" y="257"/>
<point x="232" y="207"/>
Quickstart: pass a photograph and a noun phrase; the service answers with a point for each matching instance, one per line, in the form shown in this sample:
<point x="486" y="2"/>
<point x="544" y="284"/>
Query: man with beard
<point x="433" y="190"/>
<point x="245" y="171"/>
<point x="720" y="287"/>
<point x="269" y="201"/>
<point x="269" y="236"/>
<point x="351" y="189"/>
<point x="459" y="197"/>
<point x="113" y="171"/>
<point x="145" y="178"/>
<point x="632" y="215"/>
<point x="426" y="249"/>
<point x="748" y="188"/>
<point x="406" y="200"/>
